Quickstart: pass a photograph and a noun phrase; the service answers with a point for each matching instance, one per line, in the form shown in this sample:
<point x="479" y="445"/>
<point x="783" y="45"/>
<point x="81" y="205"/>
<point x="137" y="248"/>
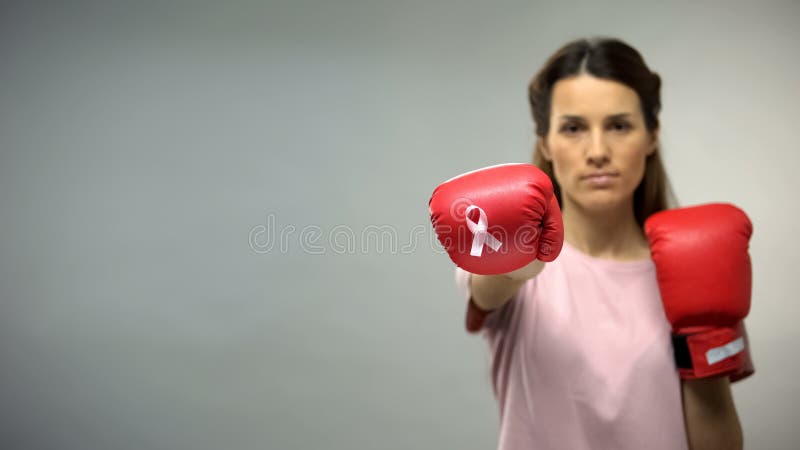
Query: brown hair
<point x="614" y="60"/>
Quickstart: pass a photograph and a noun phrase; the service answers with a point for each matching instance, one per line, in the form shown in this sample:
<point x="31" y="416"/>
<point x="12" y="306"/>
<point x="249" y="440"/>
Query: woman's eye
<point x="620" y="126"/>
<point x="571" y="128"/>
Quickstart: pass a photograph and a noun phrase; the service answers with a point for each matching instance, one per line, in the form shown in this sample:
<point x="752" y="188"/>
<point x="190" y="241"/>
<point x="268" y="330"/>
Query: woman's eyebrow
<point x="571" y="117"/>
<point x="621" y="115"/>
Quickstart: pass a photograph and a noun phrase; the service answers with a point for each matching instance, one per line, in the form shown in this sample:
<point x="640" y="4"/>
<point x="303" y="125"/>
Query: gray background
<point x="148" y="151"/>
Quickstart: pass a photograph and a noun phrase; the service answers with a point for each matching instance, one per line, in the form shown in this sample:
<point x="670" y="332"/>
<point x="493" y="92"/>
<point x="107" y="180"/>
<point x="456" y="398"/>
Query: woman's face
<point x="597" y="141"/>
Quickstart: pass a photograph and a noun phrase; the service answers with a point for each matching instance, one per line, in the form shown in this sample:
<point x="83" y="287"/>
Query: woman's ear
<point x="653" y="145"/>
<point x="542" y="143"/>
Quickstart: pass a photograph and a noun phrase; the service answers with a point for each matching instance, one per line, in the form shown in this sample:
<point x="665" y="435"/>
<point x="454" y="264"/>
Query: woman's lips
<point x="603" y="179"/>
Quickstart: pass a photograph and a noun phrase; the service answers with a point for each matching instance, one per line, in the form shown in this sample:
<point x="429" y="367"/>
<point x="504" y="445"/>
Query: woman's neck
<point x="610" y="234"/>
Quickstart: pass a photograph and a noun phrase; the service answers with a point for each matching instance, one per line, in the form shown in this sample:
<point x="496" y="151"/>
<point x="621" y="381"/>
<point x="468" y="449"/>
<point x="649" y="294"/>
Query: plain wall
<point x="153" y="154"/>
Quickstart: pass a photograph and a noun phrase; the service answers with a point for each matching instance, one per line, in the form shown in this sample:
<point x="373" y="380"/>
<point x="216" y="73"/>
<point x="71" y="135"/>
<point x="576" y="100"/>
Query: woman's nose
<point x="598" y="152"/>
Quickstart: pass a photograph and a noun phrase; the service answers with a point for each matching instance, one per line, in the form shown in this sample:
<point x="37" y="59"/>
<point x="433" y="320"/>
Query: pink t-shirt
<point x="582" y="359"/>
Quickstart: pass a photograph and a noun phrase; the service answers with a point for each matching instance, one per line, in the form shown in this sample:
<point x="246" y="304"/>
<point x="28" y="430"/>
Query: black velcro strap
<point x="683" y="359"/>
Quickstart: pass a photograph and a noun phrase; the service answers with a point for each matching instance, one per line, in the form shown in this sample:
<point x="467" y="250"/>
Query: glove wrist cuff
<point x="721" y="351"/>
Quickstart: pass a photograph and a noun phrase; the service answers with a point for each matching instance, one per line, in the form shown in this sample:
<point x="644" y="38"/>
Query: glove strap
<point x="723" y="351"/>
<point x="475" y="317"/>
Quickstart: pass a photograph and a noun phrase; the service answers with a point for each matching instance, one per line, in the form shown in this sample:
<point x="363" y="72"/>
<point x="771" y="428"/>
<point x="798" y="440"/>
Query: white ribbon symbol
<point x="480" y="232"/>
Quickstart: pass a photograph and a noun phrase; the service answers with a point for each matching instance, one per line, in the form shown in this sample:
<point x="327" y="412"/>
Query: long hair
<point x="615" y="60"/>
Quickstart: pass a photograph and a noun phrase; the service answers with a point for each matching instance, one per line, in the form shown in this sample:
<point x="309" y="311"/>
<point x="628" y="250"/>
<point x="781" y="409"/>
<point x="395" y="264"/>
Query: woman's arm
<point x="710" y="415"/>
<point x="493" y="291"/>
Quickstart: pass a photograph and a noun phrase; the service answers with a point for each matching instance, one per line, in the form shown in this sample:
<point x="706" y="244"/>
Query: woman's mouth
<point x="600" y="179"/>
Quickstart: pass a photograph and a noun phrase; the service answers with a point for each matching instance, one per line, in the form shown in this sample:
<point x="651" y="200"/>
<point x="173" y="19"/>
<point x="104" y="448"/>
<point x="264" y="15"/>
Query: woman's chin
<point x="601" y="201"/>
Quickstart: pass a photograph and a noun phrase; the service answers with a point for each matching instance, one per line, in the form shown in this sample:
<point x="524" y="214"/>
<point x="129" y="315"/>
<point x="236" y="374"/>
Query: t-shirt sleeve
<point x="478" y="319"/>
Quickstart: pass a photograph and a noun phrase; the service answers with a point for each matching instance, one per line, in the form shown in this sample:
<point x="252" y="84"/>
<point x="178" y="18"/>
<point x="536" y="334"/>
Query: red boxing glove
<point x="498" y="219"/>
<point x="704" y="275"/>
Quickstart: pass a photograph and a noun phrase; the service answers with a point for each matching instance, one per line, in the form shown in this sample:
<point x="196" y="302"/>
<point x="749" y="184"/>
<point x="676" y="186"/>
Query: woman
<point x="582" y="356"/>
